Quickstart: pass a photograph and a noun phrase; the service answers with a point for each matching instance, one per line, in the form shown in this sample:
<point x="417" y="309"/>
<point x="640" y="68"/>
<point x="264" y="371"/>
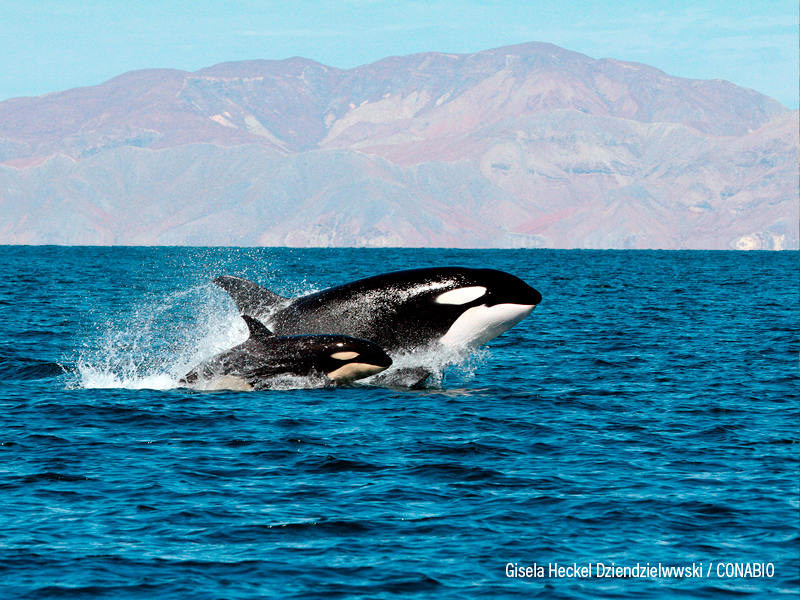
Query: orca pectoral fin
<point x="403" y="377"/>
<point x="250" y="298"/>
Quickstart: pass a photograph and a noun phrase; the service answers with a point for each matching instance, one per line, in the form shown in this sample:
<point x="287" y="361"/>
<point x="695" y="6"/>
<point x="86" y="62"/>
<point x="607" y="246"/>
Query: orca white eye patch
<point x="461" y="295"/>
<point x="344" y="355"/>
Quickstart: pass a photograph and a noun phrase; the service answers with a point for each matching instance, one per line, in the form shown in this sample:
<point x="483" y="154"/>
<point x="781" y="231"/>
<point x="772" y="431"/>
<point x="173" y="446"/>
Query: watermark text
<point x="599" y="570"/>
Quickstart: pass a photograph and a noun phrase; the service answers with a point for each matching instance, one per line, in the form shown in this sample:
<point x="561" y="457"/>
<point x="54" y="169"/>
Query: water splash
<point x="438" y="362"/>
<point x="155" y="344"/>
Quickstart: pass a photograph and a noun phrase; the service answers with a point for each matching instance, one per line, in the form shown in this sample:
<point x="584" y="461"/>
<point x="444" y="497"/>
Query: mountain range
<point x="517" y="147"/>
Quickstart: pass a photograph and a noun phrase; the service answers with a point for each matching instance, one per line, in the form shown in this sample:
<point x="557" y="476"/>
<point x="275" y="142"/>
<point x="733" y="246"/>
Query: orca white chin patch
<point x="479" y="324"/>
<point x="353" y="371"/>
<point x="460" y="296"/>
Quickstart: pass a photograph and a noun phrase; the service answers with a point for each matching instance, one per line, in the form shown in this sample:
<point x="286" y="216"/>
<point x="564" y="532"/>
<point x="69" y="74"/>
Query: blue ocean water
<point x="645" y="414"/>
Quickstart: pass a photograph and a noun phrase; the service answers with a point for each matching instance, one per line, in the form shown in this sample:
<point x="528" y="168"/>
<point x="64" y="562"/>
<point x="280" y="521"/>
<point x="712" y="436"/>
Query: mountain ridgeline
<point x="522" y="146"/>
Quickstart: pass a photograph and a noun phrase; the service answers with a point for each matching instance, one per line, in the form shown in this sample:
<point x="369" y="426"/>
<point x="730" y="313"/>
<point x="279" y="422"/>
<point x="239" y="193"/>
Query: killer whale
<point x="265" y="356"/>
<point x="459" y="308"/>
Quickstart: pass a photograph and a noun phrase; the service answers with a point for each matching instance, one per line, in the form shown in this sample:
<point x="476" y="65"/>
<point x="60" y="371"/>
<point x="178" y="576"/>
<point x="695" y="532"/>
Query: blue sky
<point x="50" y="45"/>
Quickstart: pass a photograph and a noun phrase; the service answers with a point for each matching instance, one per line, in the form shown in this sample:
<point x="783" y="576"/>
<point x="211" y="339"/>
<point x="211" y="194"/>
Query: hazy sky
<point x="51" y="45"/>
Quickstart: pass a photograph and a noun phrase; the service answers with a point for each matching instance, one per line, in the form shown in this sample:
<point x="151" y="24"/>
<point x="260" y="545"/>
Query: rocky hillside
<point x="522" y="146"/>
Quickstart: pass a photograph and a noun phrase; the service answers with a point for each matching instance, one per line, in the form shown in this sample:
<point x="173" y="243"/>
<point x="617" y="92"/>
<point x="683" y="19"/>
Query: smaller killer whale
<point x="457" y="307"/>
<point x="265" y="356"/>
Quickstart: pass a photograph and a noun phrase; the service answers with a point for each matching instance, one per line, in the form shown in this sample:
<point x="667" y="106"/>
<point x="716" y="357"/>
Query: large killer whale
<point x="264" y="357"/>
<point x="457" y="308"/>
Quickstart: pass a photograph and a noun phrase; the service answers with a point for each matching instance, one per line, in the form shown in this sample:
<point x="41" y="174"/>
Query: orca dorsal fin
<point x="257" y="328"/>
<point x="250" y="298"/>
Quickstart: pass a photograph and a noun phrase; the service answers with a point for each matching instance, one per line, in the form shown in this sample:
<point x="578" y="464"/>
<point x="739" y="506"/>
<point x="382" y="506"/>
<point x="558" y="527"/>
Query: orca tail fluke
<point x="250" y="298"/>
